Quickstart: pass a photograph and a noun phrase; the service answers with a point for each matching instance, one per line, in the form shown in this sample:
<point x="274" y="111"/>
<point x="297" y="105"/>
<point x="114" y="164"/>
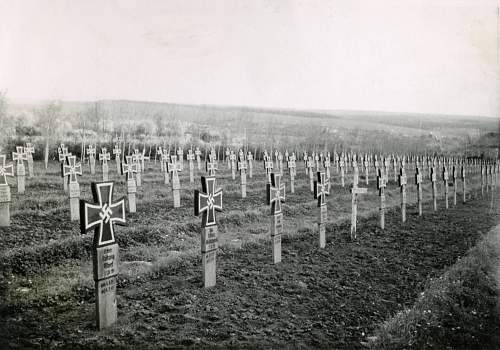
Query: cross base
<point x="105" y="171"/>
<point x="209" y="268"/>
<point x="276" y="231"/>
<point x="105" y="296"/>
<point x="177" y="198"/>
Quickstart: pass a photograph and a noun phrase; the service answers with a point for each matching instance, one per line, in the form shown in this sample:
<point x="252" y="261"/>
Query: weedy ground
<point x="330" y="298"/>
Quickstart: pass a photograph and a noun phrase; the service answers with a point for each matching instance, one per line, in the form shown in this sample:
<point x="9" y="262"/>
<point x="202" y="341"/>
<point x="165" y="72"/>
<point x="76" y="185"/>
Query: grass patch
<point x="458" y="310"/>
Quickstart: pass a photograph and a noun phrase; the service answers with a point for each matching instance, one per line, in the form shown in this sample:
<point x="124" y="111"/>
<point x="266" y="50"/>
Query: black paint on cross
<point x="103" y="215"/>
<point x="207" y="201"/>
<point x="321" y="188"/>
<point x="275" y="193"/>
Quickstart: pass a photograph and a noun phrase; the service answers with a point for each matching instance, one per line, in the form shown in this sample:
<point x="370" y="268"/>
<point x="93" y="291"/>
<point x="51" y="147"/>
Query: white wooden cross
<point x="381" y="185"/>
<point x="174" y="167"/>
<point x="402" y="185"/>
<point x="321" y="190"/>
<point x="211" y="165"/>
<point x="310" y="166"/>
<point x="276" y="196"/>
<point x="197" y="153"/>
<point x="445" y="183"/>
<point x="232" y="158"/>
<point x="190" y="158"/>
<point x="355" y="191"/>
<point x="268" y="166"/>
<point x="418" y="182"/>
<point x="292" y="168"/>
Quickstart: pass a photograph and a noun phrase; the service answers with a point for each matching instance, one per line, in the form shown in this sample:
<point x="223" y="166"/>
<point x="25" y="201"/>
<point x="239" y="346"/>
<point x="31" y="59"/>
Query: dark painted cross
<point x="103" y="215"/>
<point x="275" y="193"/>
<point x="321" y="188"/>
<point x="207" y="201"/>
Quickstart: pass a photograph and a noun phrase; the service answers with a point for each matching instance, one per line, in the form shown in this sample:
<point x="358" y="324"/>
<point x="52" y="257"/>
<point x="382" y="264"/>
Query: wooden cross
<point x="445" y="183"/>
<point x="190" y="158"/>
<point x="102" y="216"/>
<point x="418" y="182"/>
<point x="454" y="176"/>
<point x="250" y="164"/>
<point x="211" y="165"/>
<point x="310" y="166"/>
<point x="197" y="153"/>
<point x="20" y="156"/>
<point x="117" y="151"/>
<point x="381" y="185"/>
<point x="342" y="170"/>
<point x="104" y="156"/>
<point x="129" y="168"/>
<point x="321" y="188"/>
<point x="174" y="167"/>
<point x="207" y="202"/>
<point x="71" y="169"/>
<point x="268" y="166"/>
<point x="275" y="196"/>
<point x="242" y="168"/>
<point x="463" y="182"/>
<point x="355" y="191"/>
<point x="232" y="158"/>
<point x="91" y="152"/>
<point x="433" y="180"/>
<point x="402" y="184"/>
<point x="5" y="170"/>
<point x="327" y="164"/>
<point x="292" y="168"/>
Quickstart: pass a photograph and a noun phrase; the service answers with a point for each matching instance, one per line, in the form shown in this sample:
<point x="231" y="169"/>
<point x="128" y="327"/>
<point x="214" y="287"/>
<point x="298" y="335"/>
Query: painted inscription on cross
<point x="275" y="196"/>
<point x="5" y="170"/>
<point x="207" y="202"/>
<point x="102" y="216"/>
<point x="321" y="190"/>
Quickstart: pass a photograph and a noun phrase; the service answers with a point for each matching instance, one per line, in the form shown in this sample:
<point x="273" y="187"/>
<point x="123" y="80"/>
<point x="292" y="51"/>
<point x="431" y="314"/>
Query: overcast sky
<point x="413" y="56"/>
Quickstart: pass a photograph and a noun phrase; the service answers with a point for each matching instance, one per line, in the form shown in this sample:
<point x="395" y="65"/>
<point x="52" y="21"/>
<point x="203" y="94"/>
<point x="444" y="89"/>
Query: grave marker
<point x="279" y="159"/>
<point x="433" y="180"/>
<point x="20" y="156"/>
<point x="276" y="196"/>
<point x="242" y="167"/>
<point x="483" y="171"/>
<point x="454" y="177"/>
<point x="366" y="164"/>
<point x="5" y="198"/>
<point x="173" y="168"/>
<point x="463" y="182"/>
<point x="70" y="170"/>
<point x="136" y="158"/>
<point x="250" y="164"/>
<point x="211" y="165"/>
<point x="321" y="190"/>
<point x="102" y="216"/>
<point x="327" y="164"/>
<point x="292" y="168"/>
<point x="232" y="158"/>
<point x="418" y="182"/>
<point x="445" y="183"/>
<point x="117" y="151"/>
<point x="63" y="154"/>
<point x="190" y="159"/>
<point x="29" y="150"/>
<point x="381" y="185"/>
<point x="402" y="185"/>
<point x="341" y="166"/>
<point x="207" y="202"/>
<point x="129" y="168"/>
<point x="104" y="156"/>
<point x="164" y="160"/>
<point x="91" y="152"/>
<point x="197" y="153"/>
<point x="355" y="191"/>
<point x="310" y="165"/>
<point x="268" y="166"/>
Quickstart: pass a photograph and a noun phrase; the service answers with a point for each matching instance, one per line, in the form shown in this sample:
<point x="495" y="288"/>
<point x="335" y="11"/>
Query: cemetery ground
<point x="332" y="298"/>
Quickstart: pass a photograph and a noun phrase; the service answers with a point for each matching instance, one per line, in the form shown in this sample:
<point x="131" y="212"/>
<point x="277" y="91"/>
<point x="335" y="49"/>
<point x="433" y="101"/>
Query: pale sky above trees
<point x="425" y="56"/>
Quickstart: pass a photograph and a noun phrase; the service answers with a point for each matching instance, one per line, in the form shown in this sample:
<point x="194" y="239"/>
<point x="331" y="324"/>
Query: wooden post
<point x="5" y="198"/>
<point x="136" y="158"/>
<point x="232" y="160"/>
<point x="102" y="216"/>
<point x="418" y="182"/>
<point x="342" y="171"/>
<point x="197" y="153"/>
<point x="117" y="151"/>
<point x="454" y="176"/>
<point x="268" y="166"/>
<point x="275" y="196"/>
<point x="207" y="202"/>
<point x="381" y="184"/>
<point x="321" y="190"/>
<point x="355" y="191"/>
<point x="91" y="152"/>
<point x="310" y="166"/>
